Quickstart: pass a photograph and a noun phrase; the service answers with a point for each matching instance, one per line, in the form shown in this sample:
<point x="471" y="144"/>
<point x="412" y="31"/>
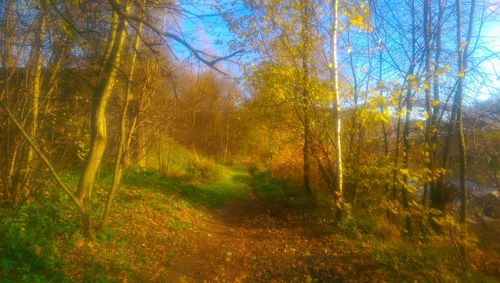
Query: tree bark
<point x="306" y="52"/>
<point x="123" y="133"/>
<point x="98" y="117"/>
<point x="336" y="117"/>
<point x="428" y="147"/>
<point x="437" y="195"/>
<point x="37" y="83"/>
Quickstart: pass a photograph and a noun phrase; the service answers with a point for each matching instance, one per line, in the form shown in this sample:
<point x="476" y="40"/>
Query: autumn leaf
<point x="80" y="244"/>
<point x="420" y="126"/>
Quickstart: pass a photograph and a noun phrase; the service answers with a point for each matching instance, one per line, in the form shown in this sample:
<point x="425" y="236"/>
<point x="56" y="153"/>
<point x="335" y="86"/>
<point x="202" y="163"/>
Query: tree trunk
<point x="462" y="55"/>
<point x="306" y="52"/>
<point x="406" y="133"/>
<point x="437" y="195"/>
<point x="355" y="130"/>
<point x="98" y="119"/>
<point x="336" y="118"/>
<point x="428" y="147"/>
<point x="37" y="84"/>
<point x="123" y="133"/>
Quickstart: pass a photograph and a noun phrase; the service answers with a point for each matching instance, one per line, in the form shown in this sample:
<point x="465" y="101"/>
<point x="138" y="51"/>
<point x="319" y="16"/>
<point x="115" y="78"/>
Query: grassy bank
<point x="41" y="240"/>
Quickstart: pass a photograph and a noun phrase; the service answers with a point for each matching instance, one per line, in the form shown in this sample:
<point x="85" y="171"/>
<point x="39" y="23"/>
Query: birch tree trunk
<point x="336" y="102"/>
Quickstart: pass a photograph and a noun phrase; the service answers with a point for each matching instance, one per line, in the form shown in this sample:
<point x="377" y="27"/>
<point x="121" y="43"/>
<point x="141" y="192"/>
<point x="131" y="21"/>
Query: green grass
<point x="231" y="183"/>
<point x="30" y="249"/>
<point x="279" y="191"/>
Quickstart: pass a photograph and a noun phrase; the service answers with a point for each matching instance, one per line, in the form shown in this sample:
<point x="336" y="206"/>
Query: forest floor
<point x="253" y="239"/>
<point x="240" y="227"/>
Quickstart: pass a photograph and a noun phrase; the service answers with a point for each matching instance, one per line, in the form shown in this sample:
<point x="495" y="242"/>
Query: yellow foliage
<point x="383" y="101"/>
<point x="357" y="20"/>
<point x="420" y="125"/>
<point x="401" y="113"/>
<point x="442" y="71"/>
<point x="387" y="114"/>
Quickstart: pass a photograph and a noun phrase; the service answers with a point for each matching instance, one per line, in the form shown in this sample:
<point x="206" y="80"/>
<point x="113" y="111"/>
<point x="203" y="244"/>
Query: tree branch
<point x="198" y="54"/>
<point x="44" y="158"/>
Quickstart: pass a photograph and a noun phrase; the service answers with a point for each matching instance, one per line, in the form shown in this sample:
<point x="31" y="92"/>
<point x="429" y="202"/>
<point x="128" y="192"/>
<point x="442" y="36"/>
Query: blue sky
<point x="203" y="27"/>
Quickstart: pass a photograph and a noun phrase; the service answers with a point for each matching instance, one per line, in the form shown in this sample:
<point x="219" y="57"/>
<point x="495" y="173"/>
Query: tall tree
<point x="336" y="104"/>
<point x="306" y="51"/>
<point x="124" y="131"/>
<point x="102" y="93"/>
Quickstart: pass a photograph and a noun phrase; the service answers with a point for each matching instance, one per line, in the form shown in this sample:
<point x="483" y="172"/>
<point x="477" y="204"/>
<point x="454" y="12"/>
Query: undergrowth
<point x="40" y="241"/>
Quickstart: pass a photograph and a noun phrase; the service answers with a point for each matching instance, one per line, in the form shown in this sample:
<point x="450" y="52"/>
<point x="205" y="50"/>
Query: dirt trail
<point x="224" y="242"/>
<point x="251" y="240"/>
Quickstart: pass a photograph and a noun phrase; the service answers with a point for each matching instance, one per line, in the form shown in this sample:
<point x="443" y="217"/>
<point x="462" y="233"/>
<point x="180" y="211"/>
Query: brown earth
<point x="251" y="240"/>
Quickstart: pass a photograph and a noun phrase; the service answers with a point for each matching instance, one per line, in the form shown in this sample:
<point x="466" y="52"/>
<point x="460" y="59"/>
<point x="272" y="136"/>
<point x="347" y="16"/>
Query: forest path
<point x="251" y="239"/>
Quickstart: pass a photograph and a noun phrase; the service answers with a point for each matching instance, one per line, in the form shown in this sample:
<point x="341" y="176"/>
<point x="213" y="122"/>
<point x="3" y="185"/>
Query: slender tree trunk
<point x="437" y="195"/>
<point x="37" y="84"/>
<point x="98" y="119"/>
<point x="382" y="110"/>
<point x="8" y="70"/>
<point x="172" y="130"/>
<point x="336" y="102"/>
<point x="133" y="125"/>
<point x="406" y="133"/>
<point x="141" y="147"/>
<point x="461" y="144"/>
<point x="429" y="147"/>
<point x="396" y="150"/>
<point x="355" y="129"/>
<point x="462" y="56"/>
<point x="122" y="141"/>
<point x="306" y="52"/>
<point x="406" y="150"/>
